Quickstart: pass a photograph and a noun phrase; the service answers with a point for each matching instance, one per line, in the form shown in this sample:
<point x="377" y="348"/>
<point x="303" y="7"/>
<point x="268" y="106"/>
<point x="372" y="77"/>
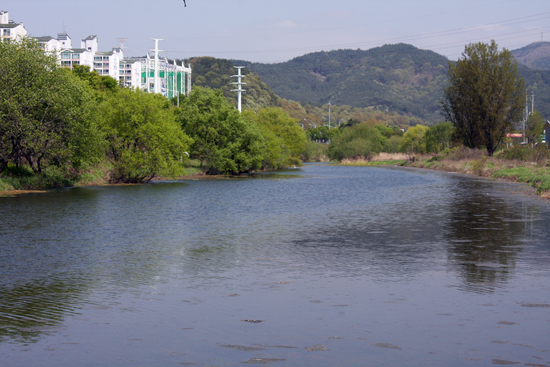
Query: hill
<point x="535" y="56"/>
<point x="399" y="78"/>
<point x="216" y="74"/>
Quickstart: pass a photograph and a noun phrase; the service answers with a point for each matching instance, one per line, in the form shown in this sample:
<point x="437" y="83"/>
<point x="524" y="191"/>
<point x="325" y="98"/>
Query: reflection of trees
<point x="484" y="234"/>
<point x="29" y="310"/>
<point x="57" y="247"/>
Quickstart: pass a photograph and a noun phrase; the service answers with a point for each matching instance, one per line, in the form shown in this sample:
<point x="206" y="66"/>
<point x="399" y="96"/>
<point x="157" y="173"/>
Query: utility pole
<point x="239" y="83"/>
<point x="157" y="67"/>
<point x="532" y="101"/>
<point x="525" y="117"/>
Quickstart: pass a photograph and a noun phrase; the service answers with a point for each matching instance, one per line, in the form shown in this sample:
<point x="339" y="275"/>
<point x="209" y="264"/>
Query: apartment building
<point x="9" y="30"/>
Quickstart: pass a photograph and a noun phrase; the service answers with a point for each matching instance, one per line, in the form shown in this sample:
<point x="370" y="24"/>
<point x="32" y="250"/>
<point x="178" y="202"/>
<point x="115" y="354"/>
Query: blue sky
<point x="275" y="31"/>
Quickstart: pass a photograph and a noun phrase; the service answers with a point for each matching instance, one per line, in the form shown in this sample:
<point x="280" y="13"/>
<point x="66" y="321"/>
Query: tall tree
<point x="484" y="95"/>
<point x="45" y="112"/>
<point x="143" y="137"/>
<point x="223" y="141"/>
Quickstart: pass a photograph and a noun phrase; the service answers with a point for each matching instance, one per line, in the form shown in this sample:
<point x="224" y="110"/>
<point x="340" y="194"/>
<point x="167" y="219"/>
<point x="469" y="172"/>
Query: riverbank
<point x="535" y="174"/>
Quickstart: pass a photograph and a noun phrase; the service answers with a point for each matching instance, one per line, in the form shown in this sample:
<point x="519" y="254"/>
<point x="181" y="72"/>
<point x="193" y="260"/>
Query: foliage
<point x="315" y="152"/>
<point x="538" y="154"/>
<point x="284" y="138"/>
<point x="413" y="141"/>
<point x="224" y="141"/>
<point x="361" y="141"/>
<point x="484" y="95"/>
<point x="216" y="73"/>
<point x="392" y="144"/>
<point x="143" y="137"/>
<point x="99" y="83"/>
<point x="398" y="78"/>
<point x="322" y="134"/>
<point x="439" y="137"/>
<point x="45" y="112"/>
<point x="534" y="129"/>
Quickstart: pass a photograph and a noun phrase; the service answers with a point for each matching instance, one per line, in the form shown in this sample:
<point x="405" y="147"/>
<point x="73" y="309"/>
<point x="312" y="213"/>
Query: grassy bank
<point x="534" y="172"/>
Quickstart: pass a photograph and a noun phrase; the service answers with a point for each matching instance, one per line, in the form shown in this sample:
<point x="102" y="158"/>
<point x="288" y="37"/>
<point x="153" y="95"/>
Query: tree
<point x="359" y="141"/>
<point x="45" y="112"/>
<point x="285" y="140"/>
<point x="144" y="139"/>
<point x="484" y="95"/>
<point x="413" y="140"/>
<point x="439" y="137"/>
<point x="535" y="126"/>
<point x="224" y="141"/>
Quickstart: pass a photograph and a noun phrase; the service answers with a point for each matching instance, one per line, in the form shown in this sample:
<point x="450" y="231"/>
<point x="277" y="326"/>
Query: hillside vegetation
<point x="535" y="55"/>
<point x="398" y="81"/>
<point x="398" y="78"/>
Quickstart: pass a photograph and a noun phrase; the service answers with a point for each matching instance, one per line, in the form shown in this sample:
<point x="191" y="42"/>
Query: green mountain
<point x="399" y="78"/>
<point x="535" y="56"/>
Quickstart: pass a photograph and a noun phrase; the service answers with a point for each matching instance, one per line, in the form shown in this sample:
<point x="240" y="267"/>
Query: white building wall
<point x="4" y="17"/>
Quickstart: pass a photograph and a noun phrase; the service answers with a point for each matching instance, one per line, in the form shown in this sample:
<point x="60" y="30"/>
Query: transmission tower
<point x="121" y="41"/>
<point x="239" y="83"/>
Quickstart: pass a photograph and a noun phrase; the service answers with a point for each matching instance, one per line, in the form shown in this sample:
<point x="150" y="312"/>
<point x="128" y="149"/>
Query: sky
<point x="277" y="31"/>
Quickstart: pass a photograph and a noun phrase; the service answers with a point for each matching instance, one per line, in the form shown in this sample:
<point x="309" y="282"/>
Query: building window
<point x="66" y="56"/>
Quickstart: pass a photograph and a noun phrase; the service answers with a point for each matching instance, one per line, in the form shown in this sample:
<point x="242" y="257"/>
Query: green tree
<point x="413" y="140"/>
<point x="439" y="137"/>
<point x="99" y="83"/>
<point x="359" y="141"/>
<point x="45" y="112"/>
<point x="484" y="95"/>
<point x="534" y="130"/>
<point x="285" y="140"/>
<point x="224" y="141"/>
<point x="392" y="144"/>
<point x="144" y="139"/>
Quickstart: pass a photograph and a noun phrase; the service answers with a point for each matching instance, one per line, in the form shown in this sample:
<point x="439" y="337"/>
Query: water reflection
<point x="485" y="234"/>
<point x="325" y="252"/>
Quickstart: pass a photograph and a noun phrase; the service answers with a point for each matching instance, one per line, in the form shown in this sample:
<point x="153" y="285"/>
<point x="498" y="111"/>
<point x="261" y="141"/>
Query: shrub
<point x="463" y="153"/>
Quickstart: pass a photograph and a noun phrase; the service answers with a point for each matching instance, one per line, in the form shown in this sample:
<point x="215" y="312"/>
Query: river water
<point x="319" y="266"/>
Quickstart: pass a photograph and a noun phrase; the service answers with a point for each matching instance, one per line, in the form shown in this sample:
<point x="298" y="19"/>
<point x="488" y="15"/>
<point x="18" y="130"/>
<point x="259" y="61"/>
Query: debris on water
<point x="336" y="338"/>
<point x="498" y="342"/>
<point x="504" y="362"/>
<point x="253" y="321"/>
<point x="316" y="348"/>
<point x="524" y="345"/>
<point x="234" y="295"/>
<point x="276" y="346"/>
<point x="242" y="348"/>
<point x="387" y="345"/>
<point x="316" y="301"/>
<point x="341" y="305"/>
<point x="263" y="360"/>
<point x="540" y="305"/>
<point x="506" y="323"/>
<point x="536" y="365"/>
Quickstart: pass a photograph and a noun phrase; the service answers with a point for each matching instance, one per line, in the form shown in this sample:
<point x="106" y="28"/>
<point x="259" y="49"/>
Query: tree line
<point x="483" y="100"/>
<point x="56" y="121"/>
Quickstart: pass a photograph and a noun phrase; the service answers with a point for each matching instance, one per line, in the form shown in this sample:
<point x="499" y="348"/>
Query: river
<point x="318" y="266"/>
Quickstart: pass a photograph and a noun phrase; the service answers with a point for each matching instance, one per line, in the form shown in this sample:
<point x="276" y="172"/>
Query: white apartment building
<point x="9" y="30"/>
<point x="146" y="73"/>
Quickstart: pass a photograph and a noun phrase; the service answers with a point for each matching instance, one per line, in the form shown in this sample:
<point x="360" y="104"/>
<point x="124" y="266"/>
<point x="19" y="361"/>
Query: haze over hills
<point x="396" y="78"/>
<point x="535" y="56"/>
